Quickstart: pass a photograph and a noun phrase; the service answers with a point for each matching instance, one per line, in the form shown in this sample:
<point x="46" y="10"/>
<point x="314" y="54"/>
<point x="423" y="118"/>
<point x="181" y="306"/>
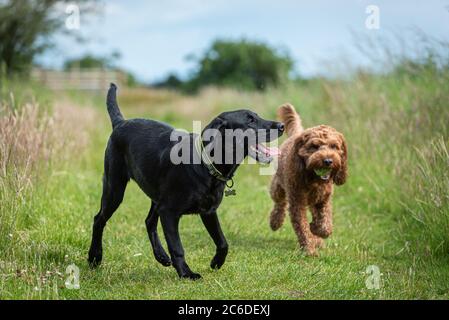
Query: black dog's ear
<point x="214" y="129"/>
<point x="215" y="133"/>
<point x="218" y="124"/>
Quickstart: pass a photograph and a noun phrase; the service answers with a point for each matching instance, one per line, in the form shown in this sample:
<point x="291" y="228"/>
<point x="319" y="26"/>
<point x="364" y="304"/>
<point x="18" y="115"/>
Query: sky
<point x="154" y="37"/>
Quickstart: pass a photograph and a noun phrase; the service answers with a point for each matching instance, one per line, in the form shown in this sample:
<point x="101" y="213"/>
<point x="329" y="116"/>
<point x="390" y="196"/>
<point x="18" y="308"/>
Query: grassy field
<point x="393" y="212"/>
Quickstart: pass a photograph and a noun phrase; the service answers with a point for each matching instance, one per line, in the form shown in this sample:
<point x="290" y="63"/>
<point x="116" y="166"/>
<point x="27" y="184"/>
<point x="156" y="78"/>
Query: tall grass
<point x="23" y="146"/>
<point x="34" y="140"/>
<point x="426" y="221"/>
<point x="417" y="87"/>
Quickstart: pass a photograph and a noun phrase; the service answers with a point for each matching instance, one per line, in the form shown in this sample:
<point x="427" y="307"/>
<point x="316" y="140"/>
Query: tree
<point x="89" y="61"/>
<point x="26" y="27"/>
<point x="171" y="82"/>
<point x="242" y="64"/>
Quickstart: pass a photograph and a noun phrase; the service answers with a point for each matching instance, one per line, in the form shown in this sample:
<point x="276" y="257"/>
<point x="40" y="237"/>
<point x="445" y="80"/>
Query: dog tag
<point x="230" y="192"/>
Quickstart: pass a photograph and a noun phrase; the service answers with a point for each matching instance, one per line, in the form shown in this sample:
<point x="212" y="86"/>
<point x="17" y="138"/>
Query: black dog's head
<point x="240" y="133"/>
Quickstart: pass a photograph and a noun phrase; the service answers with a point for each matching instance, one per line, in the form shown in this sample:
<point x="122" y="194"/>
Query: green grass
<point x="392" y="213"/>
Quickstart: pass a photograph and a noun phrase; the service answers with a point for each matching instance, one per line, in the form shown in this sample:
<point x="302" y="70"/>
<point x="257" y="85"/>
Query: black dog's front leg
<point x="210" y="221"/>
<point x="170" y="225"/>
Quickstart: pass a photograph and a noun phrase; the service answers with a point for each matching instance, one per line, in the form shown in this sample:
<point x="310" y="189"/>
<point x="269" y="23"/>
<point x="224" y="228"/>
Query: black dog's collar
<point x="213" y="171"/>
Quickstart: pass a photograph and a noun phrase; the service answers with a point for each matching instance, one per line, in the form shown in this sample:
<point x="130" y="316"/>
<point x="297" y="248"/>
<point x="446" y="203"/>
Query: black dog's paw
<point x="94" y="259"/>
<point x="191" y="276"/>
<point x="219" y="259"/>
<point x="217" y="262"/>
<point x="162" y="258"/>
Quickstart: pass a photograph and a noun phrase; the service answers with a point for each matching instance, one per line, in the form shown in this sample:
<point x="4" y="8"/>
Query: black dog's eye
<point x="251" y="119"/>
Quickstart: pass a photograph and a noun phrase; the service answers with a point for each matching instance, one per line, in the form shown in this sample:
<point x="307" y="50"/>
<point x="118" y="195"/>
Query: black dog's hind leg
<point x="170" y="224"/>
<point x="151" y="223"/>
<point x="114" y="184"/>
<point x="210" y="221"/>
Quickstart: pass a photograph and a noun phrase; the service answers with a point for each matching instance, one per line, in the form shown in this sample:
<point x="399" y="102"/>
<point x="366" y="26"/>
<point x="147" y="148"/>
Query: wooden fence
<point x="90" y="79"/>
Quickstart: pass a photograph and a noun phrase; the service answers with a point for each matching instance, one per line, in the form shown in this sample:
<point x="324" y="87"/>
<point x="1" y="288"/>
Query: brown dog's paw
<point x="310" y="250"/>
<point x="318" y="242"/>
<point x="321" y="230"/>
<point x="275" y="221"/>
<point x="275" y="226"/>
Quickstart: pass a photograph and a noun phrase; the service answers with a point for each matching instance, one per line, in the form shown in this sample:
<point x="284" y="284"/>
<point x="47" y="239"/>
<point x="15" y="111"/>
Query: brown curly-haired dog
<point x="311" y="161"/>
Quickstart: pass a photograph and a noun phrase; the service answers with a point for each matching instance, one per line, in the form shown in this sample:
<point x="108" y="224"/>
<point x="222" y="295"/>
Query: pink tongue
<point x="274" y="151"/>
<point x="271" y="151"/>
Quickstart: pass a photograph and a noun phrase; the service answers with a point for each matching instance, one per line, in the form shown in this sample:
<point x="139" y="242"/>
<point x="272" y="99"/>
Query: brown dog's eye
<point x="334" y="146"/>
<point x="313" y="147"/>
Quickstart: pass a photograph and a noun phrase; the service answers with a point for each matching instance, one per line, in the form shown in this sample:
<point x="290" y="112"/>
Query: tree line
<point x="27" y="28"/>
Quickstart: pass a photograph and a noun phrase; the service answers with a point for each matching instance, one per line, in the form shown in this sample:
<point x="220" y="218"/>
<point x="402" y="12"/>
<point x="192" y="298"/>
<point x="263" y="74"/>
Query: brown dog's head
<point x="323" y="151"/>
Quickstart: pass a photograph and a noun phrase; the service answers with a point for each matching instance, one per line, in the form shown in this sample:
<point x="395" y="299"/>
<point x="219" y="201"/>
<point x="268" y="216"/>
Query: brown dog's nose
<point x="327" y="162"/>
<point x="281" y="127"/>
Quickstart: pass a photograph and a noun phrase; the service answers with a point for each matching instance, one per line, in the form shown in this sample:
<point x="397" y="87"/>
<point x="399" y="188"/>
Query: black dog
<point x="141" y="150"/>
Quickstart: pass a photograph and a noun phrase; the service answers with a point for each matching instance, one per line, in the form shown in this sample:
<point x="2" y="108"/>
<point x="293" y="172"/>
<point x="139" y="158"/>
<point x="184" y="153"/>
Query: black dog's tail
<point x="113" y="109"/>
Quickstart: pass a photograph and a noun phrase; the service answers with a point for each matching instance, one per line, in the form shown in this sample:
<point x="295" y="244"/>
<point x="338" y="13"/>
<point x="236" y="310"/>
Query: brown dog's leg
<point x="321" y="225"/>
<point x="277" y="215"/>
<point x="298" y="216"/>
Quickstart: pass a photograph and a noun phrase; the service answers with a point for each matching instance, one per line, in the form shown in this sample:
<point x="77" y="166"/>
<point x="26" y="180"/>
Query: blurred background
<point x="377" y="71"/>
<point x="186" y="45"/>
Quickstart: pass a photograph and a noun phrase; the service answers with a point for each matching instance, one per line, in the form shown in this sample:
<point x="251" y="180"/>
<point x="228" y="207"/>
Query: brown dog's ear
<point x="298" y="144"/>
<point x="340" y="177"/>
<point x="298" y="158"/>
